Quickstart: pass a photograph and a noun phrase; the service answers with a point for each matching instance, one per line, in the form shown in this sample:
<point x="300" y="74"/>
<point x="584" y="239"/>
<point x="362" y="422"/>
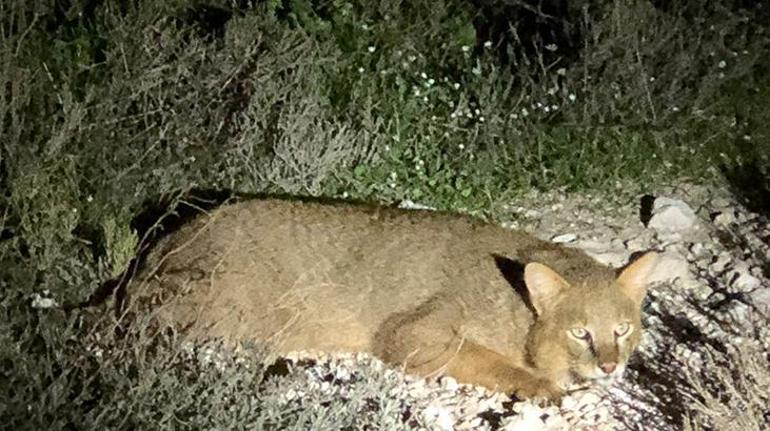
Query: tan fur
<point x="420" y="289"/>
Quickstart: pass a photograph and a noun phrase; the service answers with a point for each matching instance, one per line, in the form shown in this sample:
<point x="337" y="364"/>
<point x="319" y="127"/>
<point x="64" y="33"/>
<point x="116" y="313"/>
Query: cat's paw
<point x="541" y="391"/>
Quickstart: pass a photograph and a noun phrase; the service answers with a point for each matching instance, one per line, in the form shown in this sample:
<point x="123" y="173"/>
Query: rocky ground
<point x="709" y="305"/>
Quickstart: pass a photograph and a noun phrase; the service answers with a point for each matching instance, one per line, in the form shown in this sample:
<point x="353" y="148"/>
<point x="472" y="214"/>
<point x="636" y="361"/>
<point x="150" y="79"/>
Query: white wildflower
<point x="456" y="85"/>
<point x="360" y="70"/>
<point x="466" y="48"/>
<point x="561" y="71"/>
<point x="551" y="47"/>
<point x="722" y="64"/>
<point x="572" y="97"/>
<point x="461" y="146"/>
<point x="424" y="75"/>
<point x="372" y="48"/>
<point x="488" y="44"/>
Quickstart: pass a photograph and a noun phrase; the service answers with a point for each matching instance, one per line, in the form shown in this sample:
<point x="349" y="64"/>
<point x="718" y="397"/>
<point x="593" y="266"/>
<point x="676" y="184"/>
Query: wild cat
<point x="436" y="293"/>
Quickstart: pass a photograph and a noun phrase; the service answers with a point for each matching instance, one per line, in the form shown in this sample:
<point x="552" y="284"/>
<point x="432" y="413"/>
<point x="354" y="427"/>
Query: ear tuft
<point x="633" y="279"/>
<point x="543" y="284"/>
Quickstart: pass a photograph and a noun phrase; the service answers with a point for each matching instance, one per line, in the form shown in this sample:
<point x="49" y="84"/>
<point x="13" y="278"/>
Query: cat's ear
<point x="544" y="285"/>
<point x="633" y="279"/>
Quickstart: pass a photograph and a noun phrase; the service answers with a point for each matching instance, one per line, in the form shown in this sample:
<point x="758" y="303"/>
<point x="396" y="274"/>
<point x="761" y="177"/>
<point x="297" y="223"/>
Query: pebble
<point x="724" y="218"/>
<point x="742" y="280"/>
<point x="671" y="215"/>
<point x="564" y="238"/>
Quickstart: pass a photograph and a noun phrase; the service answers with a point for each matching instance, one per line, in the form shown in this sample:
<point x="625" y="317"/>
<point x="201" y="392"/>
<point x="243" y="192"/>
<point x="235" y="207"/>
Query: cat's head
<point x="586" y="330"/>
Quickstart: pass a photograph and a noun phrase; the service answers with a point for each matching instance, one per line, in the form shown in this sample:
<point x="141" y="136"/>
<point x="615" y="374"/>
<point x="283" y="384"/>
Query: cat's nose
<point x="608" y="367"/>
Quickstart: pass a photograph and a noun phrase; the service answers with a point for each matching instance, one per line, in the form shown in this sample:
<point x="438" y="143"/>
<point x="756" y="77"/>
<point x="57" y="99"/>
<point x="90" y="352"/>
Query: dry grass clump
<point x="733" y="393"/>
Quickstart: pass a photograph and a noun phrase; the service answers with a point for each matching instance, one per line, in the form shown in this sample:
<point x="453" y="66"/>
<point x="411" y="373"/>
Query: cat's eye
<point x="622" y="329"/>
<point x="580" y="333"/>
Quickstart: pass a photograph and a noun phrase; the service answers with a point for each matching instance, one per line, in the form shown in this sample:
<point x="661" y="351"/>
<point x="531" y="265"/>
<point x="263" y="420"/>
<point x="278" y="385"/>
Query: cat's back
<point x="306" y="269"/>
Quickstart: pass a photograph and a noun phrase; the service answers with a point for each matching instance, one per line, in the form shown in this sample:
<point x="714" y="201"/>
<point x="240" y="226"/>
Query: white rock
<point x="589" y="398"/>
<point x="528" y="420"/>
<point x="723" y="261"/>
<point x="725" y="218"/>
<point x="449" y="383"/>
<point x="603" y="252"/>
<point x="671" y="215"/>
<point x="531" y="214"/>
<point x="564" y="238"/>
<point x="670" y="266"/>
<point x="741" y="279"/>
<point x="698" y="250"/>
<point x="439" y="416"/>
<point x="556" y="423"/>
<point x="410" y="205"/>
<point x="760" y="298"/>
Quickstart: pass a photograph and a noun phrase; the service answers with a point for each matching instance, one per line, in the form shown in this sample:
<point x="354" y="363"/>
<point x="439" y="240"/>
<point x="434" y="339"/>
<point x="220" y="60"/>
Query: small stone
<point x="564" y="238"/>
<point x="528" y="420"/>
<point x="410" y="205"/>
<point x="636" y="244"/>
<point x="556" y="422"/>
<point x="449" y="383"/>
<point x="724" y="218"/>
<point x="722" y="262"/>
<point x="589" y="398"/>
<point x="531" y="214"/>
<point x="670" y="266"/>
<point x="569" y="403"/>
<point x="698" y="250"/>
<point x="760" y="298"/>
<point x="671" y="215"/>
<point x="741" y="279"/>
